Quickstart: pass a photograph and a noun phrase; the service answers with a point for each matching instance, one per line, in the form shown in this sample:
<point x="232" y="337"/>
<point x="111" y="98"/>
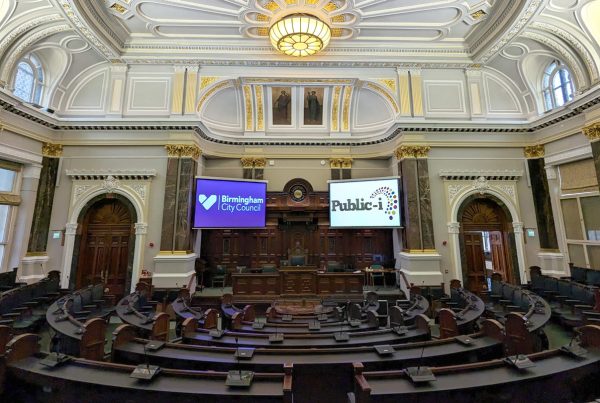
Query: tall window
<point x="557" y="86"/>
<point x="9" y="198"/>
<point x="29" y="79"/>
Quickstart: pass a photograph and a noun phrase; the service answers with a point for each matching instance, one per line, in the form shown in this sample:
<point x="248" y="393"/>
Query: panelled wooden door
<point x="475" y="261"/>
<point x="479" y="216"/>
<point x="104" y="254"/>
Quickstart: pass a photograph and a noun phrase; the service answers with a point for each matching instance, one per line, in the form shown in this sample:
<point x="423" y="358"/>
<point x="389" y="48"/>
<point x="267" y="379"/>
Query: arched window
<point x="557" y="86"/>
<point x="29" y="79"/>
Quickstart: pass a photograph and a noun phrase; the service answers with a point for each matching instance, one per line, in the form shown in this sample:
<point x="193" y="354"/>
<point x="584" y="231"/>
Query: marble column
<point x="541" y="197"/>
<point x="419" y="261"/>
<point x="33" y="264"/>
<point x="592" y="132"/>
<point x="415" y="194"/>
<point x="174" y="265"/>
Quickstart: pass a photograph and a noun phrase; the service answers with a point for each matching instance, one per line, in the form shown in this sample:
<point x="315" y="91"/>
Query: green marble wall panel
<point x="38" y="238"/>
<point x="410" y="198"/>
<point x="183" y="220"/>
<point x="425" y="204"/>
<point x="596" y="156"/>
<point x="543" y="206"/>
<point x="168" y="227"/>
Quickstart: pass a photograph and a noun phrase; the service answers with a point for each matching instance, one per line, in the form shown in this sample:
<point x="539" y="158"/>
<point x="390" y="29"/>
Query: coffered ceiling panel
<point x="361" y="27"/>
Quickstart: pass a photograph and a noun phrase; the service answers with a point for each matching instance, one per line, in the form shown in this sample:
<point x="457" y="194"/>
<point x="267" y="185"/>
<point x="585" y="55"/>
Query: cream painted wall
<point x="315" y="171"/>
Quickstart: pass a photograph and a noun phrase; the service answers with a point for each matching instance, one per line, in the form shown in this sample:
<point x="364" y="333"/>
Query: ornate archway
<point x="87" y="185"/>
<point x="501" y="186"/>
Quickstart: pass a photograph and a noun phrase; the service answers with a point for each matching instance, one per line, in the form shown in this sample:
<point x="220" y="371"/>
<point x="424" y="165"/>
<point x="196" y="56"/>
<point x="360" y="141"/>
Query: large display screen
<point x="372" y="203"/>
<point x="226" y="203"/>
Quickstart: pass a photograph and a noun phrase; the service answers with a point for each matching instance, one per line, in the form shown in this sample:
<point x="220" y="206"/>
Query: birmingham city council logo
<point x="207" y="202"/>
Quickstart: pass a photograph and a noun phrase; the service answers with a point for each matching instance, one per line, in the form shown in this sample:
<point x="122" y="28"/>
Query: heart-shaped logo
<point x="207" y="202"/>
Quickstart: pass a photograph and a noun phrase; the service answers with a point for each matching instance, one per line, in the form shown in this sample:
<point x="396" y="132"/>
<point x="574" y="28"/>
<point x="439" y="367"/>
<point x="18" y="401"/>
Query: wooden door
<point x="499" y="256"/>
<point x="475" y="261"/>
<point x="105" y="246"/>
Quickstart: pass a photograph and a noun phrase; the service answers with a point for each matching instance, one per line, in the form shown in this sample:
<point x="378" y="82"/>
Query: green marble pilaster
<point x="543" y="206"/>
<point x="410" y="197"/>
<point x="168" y="221"/>
<point x="183" y="219"/>
<point x="38" y="236"/>
<point x="425" y="204"/>
<point x="596" y="156"/>
<point x="416" y="197"/>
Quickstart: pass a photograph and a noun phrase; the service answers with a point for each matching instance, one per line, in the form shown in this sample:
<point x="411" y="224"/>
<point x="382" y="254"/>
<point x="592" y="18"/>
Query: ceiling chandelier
<point x="300" y="35"/>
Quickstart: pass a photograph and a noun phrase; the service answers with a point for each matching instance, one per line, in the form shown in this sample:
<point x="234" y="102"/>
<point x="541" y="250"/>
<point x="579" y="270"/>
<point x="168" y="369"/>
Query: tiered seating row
<point x="23" y="308"/>
<point x="572" y="303"/>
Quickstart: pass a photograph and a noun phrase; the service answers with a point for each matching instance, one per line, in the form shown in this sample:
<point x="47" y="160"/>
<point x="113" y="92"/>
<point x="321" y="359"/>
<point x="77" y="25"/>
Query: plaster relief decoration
<point x="110" y="184"/>
<point x="481" y="185"/>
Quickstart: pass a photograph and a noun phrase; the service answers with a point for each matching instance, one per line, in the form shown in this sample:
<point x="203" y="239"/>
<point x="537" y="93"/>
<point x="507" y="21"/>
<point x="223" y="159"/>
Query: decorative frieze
<point x="183" y="151"/>
<point x="592" y="132"/>
<point x="412" y="151"/>
<point x="52" y="150"/>
<point x="536" y="151"/>
<point x="344" y="163"/>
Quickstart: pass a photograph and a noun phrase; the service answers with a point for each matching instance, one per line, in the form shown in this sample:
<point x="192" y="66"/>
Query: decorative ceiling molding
<point x="23" y="28"/>
<point x="71" y="9"/>
<point x="17" y="53"/>
<point x="566" y="56"/>
<point x="574" y="42"/>
<point x="510" y="32"/>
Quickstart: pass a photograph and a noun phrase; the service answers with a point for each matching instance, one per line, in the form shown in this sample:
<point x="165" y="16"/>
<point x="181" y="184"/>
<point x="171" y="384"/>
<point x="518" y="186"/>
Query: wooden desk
<point x="297" y="281"/>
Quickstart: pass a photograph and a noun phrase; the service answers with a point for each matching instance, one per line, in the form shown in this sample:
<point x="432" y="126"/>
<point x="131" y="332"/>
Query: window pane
<point x="594" y="256"/>
<point x="568" y="90"/>
<point x="556" y="81"/>
<point x="559" y="97"/>
<point x="548" y="100"/>
<point x="7" y="180"/>
<point x="571" y="219"/>
<point x="590" y="207"/>
<point x="4" y="210"/>
<point x="1" y="253"/>
<point x="577" y="255"/>
<point x="24" y="82"/>
<point x="546" y="81"/>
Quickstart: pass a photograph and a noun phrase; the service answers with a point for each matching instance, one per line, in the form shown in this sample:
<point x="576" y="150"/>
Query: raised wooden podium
<point x="297" y="281"/>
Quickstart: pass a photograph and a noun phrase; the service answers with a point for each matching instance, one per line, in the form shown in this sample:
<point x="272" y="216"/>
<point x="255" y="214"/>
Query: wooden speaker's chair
<point x="218" y="276"/>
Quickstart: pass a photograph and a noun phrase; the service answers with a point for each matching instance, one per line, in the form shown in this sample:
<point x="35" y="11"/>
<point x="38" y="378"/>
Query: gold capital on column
<point x="183" y="151"/>
<point x="412" y="151"/>
<point x="592" y="132"/>
<point x="52" y="150"/>
<point x="536" y="151"/>
<point x="253" y="162"/>
<point x="340" y="163"/>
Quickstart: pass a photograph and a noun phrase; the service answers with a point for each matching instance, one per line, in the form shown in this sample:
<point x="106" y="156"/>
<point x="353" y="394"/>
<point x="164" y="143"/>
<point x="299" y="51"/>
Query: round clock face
<point x="298" y="193"/>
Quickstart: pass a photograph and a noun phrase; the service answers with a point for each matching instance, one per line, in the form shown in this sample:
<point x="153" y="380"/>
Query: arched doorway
<point x="487" y="242"/>
<point x="106" y="244"/>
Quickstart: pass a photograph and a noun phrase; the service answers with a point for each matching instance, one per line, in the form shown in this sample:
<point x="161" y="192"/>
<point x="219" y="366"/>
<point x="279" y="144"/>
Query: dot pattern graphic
<point x="392" y="200"/>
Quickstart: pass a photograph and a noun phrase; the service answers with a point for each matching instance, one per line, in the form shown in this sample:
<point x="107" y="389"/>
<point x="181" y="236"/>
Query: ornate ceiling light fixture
<point x="300" y="35"/>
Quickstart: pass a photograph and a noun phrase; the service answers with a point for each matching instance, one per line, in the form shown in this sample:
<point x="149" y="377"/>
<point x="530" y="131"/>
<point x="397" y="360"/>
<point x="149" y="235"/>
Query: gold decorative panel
<point x="346" y="109"/>
<point x="248" y="103"/>
<point x="260" y="118"/>
<point x="335" y="108"/>
<point x="592" y="132"/>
